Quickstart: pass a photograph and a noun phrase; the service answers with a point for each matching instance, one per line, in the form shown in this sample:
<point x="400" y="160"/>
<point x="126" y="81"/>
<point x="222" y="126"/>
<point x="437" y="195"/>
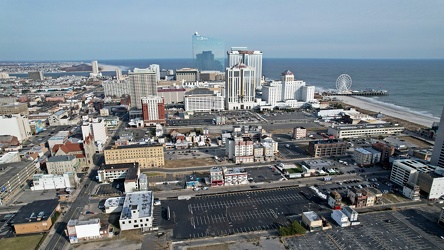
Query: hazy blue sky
<point x="92" y="29"/>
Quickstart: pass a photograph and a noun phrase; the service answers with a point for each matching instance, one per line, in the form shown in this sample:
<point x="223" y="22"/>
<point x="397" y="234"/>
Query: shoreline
<point x="408" y="116"/>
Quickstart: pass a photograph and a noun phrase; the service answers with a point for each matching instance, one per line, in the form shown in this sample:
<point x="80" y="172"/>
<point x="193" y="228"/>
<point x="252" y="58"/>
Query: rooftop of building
<point x="190" y="177"/>
<point x="335" y="194"/>
<point x="409" y="164"/>
<point x="329" y="141"/>
<point x="365" y="126"/>
<point x="9" y="170"/>
<point x="118" y="166"/>
<point x="363" y="151"/>
<point x="215" y="169"/>
<point x="235" y="171"/>
<point x="140" y="201"/>
<point x="312" y="216"/>
<point x="287" y="73"/>
<point x="75" y="222"/>
<point x="114" y="202"/>
<point x="61" y="158"/>
<point x="349" y="210"/>
<point x="133" y="146"/>
<point x="35" y="211"/>
<point x="132" y="173"/>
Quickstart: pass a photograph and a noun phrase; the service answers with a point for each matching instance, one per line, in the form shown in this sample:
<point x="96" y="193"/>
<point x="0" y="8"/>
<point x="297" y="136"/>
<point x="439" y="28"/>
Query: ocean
<point x="414" y="85"/>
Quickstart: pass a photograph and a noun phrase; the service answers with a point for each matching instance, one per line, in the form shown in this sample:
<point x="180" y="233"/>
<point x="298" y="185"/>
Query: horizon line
<point x="187" y="58"/>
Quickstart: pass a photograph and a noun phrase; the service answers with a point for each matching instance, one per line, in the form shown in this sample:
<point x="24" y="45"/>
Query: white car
<point x="157" y="202"/>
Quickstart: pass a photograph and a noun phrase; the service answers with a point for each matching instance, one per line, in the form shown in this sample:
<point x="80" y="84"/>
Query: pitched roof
<point x="68" y="147"/>
<point x="89" y="139"/>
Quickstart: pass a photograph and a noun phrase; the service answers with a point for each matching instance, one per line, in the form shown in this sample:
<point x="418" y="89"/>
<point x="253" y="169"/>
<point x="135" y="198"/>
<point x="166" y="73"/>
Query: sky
<point x="85" y="29"/>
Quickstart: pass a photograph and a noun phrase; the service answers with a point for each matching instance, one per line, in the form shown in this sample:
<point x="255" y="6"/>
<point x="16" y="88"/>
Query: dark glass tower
<point x="208" y="53"/>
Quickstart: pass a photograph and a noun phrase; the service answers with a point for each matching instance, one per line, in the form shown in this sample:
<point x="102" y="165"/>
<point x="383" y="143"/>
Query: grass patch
<point x="21" y="242"/>
<point x="294" y="170"/>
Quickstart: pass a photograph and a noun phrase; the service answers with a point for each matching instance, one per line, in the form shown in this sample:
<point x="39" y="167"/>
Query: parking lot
<point x="115" y="188"/>
<point x="264" y="174"/>
<point x="292" y="151"/>
<point x="382" y="230"/>
<point x="225" y="214"/>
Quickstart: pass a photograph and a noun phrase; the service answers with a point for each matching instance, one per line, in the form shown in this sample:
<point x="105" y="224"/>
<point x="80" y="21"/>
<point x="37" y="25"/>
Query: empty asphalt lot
<point x="225" y="214"/>
<point x="378" y="230"/>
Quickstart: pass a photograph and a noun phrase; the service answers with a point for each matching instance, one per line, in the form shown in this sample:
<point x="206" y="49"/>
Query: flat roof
<point x="76" y="222"/>
<point x="35" y="211"/>
<point x="312" y="216"/>
<point x="140" y="201"/>
<point x="365" y="126"/>
<point x="133" y="146"/>
<point x="114" y="202"/>
<point x="59" y="158"/>
<point x="131" y="174"/>
<point x="9" y="170"/>
<point x="118" y="166"/>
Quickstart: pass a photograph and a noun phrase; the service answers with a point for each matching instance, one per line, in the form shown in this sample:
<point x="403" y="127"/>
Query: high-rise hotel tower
<point x="252" y="58"/>
<point x="438" y="149"/>
<point x="208" y="53"/>
<point x="240" y="88"/>
<point x="142" y="83"/>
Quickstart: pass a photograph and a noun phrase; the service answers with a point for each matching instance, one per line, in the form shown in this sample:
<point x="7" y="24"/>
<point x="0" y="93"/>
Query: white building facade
<point x="16" y="125"/>
<point x="52" y="181"/>
<point x="252" y="58"/>
<point x="137" y="211"/>
<point x="240" y="87"/>
<point x="204" y="102"/>
<point x="96" y="127"/>
<point x="143" y="82"/>
<point x="79" y="231"/>
<point x="116" y="88"/>
<point x="406" y="170"/>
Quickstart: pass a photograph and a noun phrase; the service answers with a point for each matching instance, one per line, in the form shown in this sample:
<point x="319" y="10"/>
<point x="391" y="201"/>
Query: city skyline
<point x="299" y="29"/>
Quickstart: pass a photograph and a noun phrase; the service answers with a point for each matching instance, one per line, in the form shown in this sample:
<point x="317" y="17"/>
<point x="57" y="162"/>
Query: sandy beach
<point x="406" y="115"/>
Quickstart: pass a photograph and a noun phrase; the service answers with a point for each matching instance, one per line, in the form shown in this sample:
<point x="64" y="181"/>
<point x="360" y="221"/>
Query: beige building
<point x="14" y="108"/>
<point x="61" y="164"/>
<point x="146" y="155"/>
<point x="187" y="75"/>
<point x="323" y="148"/>
<point x="35" y="217"/>
<point x="299" y="132"/>
<point x="312" y="221"/>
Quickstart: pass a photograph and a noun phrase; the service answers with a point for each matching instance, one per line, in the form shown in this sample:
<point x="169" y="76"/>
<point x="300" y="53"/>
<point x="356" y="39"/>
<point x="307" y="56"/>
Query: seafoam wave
<point x="396" y="107"/>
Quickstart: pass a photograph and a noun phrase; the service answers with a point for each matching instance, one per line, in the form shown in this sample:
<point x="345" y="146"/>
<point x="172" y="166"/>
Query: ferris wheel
<point x="343" y="83"/>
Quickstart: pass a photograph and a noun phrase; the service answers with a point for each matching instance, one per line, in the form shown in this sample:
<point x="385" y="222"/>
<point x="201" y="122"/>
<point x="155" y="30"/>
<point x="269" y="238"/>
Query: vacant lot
<point x="413" y="140"/>
<point x="184" y="163"/>
<point x="21" y="242"/>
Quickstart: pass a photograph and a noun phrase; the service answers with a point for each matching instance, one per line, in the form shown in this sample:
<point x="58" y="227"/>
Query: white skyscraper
<point x="287" y="89"/>
<point x="142" y="82"/>
<point x="156" y="68"/>
<point x="247" y="57"/>
<point x="119" y="74"/>
<point x="95" y="69"/>
<point x="240" y="87"/>
<point x="291" y="89"/>
<point x="438" y="149"/>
